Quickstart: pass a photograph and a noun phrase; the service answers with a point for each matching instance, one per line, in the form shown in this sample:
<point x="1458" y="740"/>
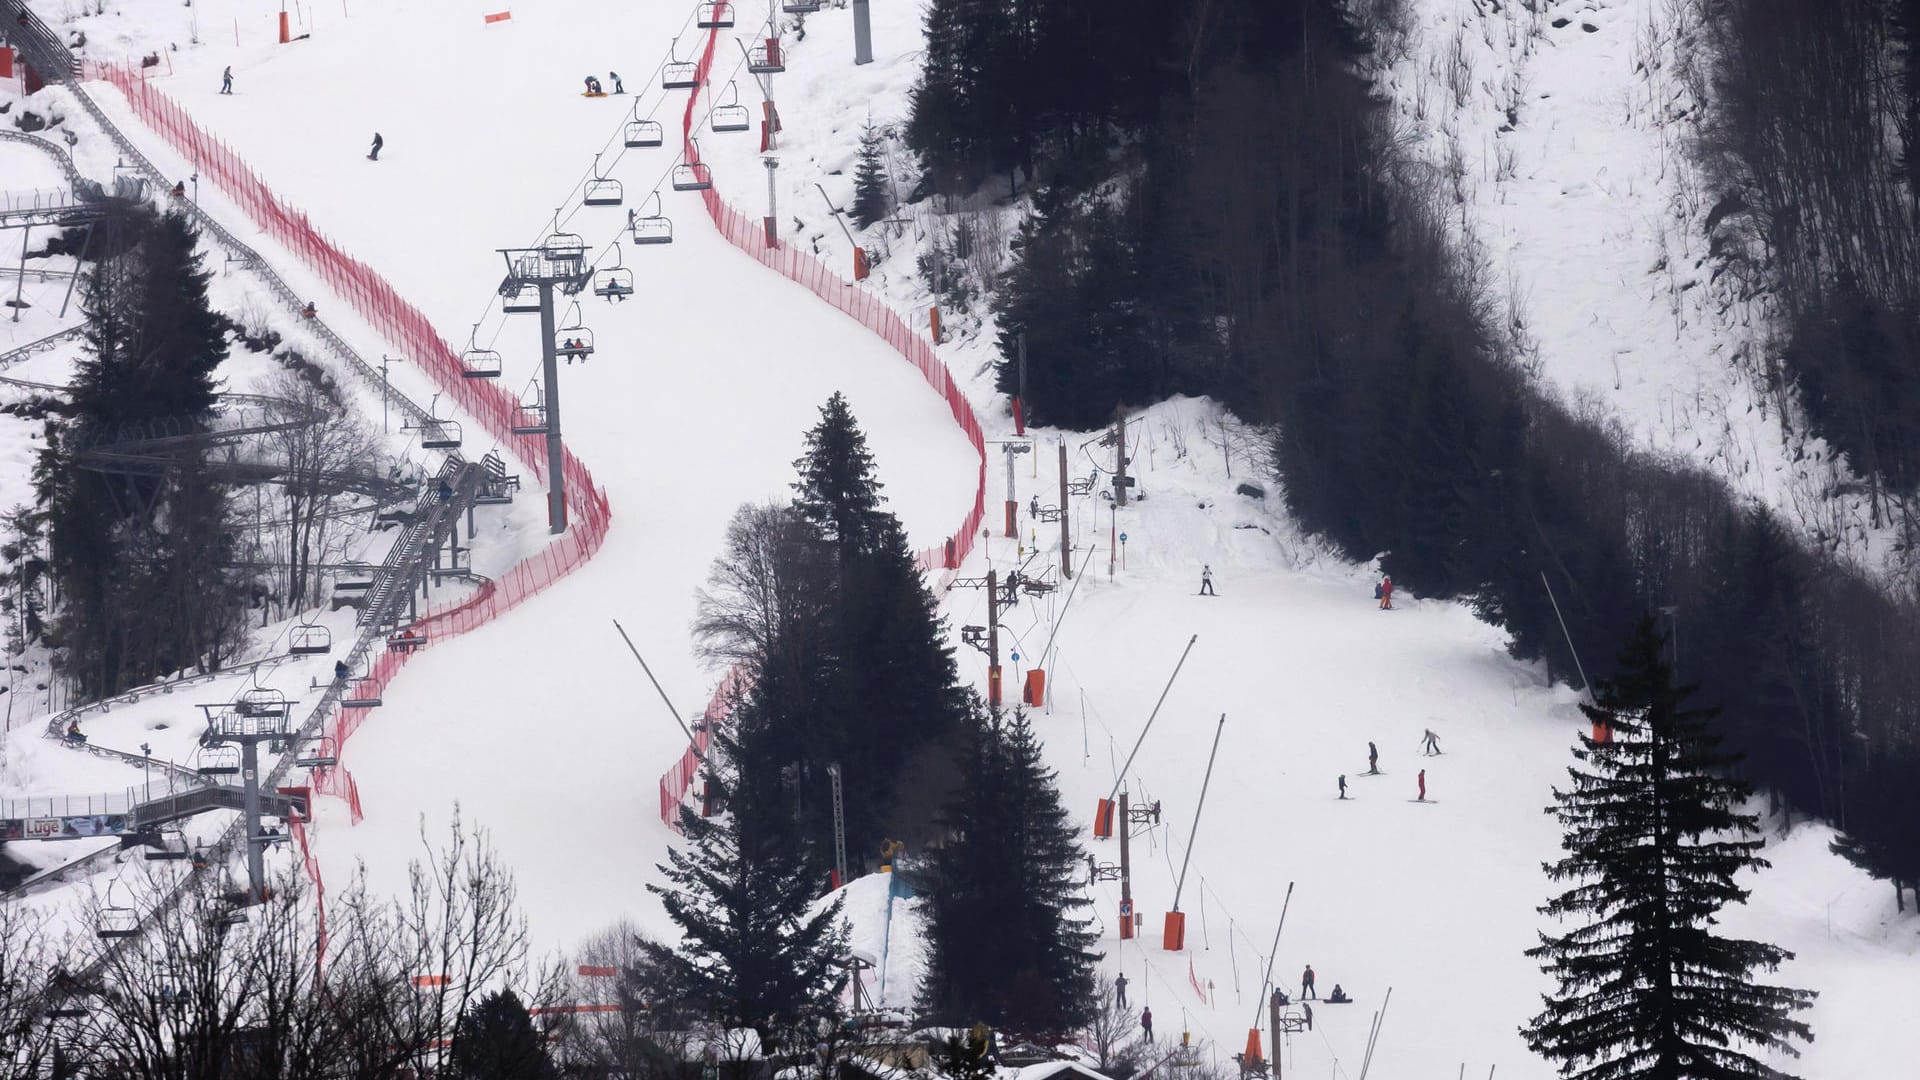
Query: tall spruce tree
<point x="750" y="947"/>
<point x="1654" y="838"/>
<point x="1008" y="942"/>
<point x="870" y="197"/>
<point x="893" y="679"/>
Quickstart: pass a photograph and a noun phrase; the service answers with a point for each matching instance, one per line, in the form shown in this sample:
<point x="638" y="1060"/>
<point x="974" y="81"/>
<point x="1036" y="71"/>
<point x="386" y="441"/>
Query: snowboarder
<point x="1146" y="1024"/>
<point x="1386" y="594"/>
<point x="378" y="142"/>
<point x="1373" y="760"/>
<point x="1343" y="785"/>
<point x="1120" y="990"/>
<point x="1423" y="786"/>
<point x="593" y="87"/>
<point x="1339" y="996"/>
<point x="1308" y="1010"/>
<point x="226" y="80"/>
<point x="1306" y="984"/>
<point x="618" y="86"/>
<point x="1430" y="743"/>
<point x="1206" y="581"/>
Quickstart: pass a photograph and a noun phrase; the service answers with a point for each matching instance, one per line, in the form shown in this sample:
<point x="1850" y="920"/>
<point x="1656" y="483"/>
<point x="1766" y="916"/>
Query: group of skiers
<point x="1278" y="999"/>
<point x="1429" y="747"/>
<point x="595" y="88"/>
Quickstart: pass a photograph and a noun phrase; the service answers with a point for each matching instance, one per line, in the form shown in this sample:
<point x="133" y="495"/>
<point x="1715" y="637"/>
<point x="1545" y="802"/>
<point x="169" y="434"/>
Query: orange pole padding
<point x="933" y="321"/>
<point x="1103" y="819"/>
<point x="1128" y="920"/>
<point x="285" y="34"/>
<point x="993" y="684"/>
<point x="859" y="264"/>
<point x="1013" y="511"/>
<point x="6" y="62"/>
<point x="773" y="230"/>
<point x="1174" y="938"/>
<point x="1036" y="692"/>
<point x="498" y="16"/>
<point x="1253" y="1045"/>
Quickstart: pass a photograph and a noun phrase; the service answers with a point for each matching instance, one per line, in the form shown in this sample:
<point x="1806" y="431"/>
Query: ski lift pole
<point x="1176" y="929"/>
<point x="671" y="711"/>
<point x="838" y="214"/>
<point x="1120" y="777"/>
<point x="1274" y="952"/>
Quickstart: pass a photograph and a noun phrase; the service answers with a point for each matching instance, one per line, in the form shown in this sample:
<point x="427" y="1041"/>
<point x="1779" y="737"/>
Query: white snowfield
<point x="542" y="729"/>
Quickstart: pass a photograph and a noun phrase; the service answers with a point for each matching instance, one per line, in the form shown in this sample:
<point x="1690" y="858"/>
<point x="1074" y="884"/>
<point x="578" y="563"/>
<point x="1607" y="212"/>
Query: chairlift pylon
<point x="714" y="15"/>
<point x="654" y="228"/>
<point x="310" y="639"/>
<point x="601" y="190"/>
<point x="732" y="116"/>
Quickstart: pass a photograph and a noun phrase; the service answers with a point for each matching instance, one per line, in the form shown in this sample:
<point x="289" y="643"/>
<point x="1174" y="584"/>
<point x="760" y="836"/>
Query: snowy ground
<point x="540" y="728"/>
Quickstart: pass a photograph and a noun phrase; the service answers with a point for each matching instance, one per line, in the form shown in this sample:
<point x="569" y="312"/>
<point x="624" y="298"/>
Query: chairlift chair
<point x="679" y="75"/>
<point x="439" y="435"/>
<point x="614" y="283"/>
<point x="310" y="639"/>
<point x="523" y="301"/>
<point x="564" y="245"/>
<point x="263" y="702"/>
<point x="692" y="176"/>
<point x="320" y="754"/>
<point x="645" y="133"/>
<point x="117" y="922"/>
<point x="360" y="695"/>
<point x="799" y="7"/>
<point x="716" y="15"/>
<point x="654" y="228"/>
<point x="601" y="190"/>
<point x="169" y="843"/>
<point x="219" y="760"/>
<point x="732" y="116"/>
<point x="530" y="415"/>
<point x="766" y="58"/>
<point x="574" y="342"/>
<point x="480" y="364"/>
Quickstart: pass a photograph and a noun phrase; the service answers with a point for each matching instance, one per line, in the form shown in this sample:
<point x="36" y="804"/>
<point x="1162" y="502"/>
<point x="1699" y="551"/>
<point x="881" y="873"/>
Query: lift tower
<point x="560" y="262"/>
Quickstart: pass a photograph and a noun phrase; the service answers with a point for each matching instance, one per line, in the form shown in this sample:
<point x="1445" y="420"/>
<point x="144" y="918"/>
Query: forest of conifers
<point x="1217" y="208"/>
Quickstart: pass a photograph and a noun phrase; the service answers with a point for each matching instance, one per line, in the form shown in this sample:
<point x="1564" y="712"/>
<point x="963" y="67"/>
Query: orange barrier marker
<point x="1174" y="938"/>
<point x="1036" y="691"/>
<point x="498" y="16"/>
<point x="1103" y="819"/>
<point x="285" y="34"/>
<point x="1253" y="1045"/>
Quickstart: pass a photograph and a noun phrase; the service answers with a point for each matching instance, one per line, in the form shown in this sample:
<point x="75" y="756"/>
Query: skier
<point x="226" y="80"/>
<point x="1430" y="743"/>
<point x="1343" y="785"/>
<point x="180" y="189"/>
<point x="1386" y="594"/>
<point x="1206" y="581"/>
<point x="1373" y="760"/>
<point x="630" y="218"/>
<point x="1308" y="1009"/>
<point x="1146" y="1024"/>
<point x="378" y="142"/>
<point x="1120" y="989"/>
<point x="593" y="87"/>
<point x="1306" y="984"/>
<point x="618" y="87"/>
<point x="1423" y="786"/>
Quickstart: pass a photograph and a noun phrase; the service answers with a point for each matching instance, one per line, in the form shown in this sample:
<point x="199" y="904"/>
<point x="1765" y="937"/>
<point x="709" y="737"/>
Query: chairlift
<point x="439" y="435"/>
<point x="360" y="695"/>
<point x="478" y="363"/>
<point x="522" y="301"/>
<point x="616" y="281"/>
<point x="692" y="175"/>
<point x="573" y="341"/>
<point x="716" y="15"/>
<point x="115" y="921"/>
<point x="310" y="639"/>
<point x="732" y="116"/>
<point x="799" y="7"/>
<point x="530" y="415"/>
<point x="219" y="760"/>
<point x="654" y="228"/>
<point x="169" y="843"/>
<point x="678" y="74"/>
<point x="601" y="190"/>
<point x="564" y="245"/>
<point x="643" y="134"/>
<point x="320" y="754"/>
<point x="766" y="58"/>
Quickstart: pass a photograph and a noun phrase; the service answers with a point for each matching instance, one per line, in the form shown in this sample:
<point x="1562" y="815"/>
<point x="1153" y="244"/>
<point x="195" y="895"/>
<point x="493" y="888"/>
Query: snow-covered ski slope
<point x="542" y="728"/>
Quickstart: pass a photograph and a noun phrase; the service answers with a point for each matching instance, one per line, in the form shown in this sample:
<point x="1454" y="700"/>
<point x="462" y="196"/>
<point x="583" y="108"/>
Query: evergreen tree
<point x="890" y="674"/>
<point x="1007" y="942"/>
<point x="1654" y="839"/>
<point x="496" y="1040"/>
<point x="871" y="199"/>
<point x="749" y="946"/>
